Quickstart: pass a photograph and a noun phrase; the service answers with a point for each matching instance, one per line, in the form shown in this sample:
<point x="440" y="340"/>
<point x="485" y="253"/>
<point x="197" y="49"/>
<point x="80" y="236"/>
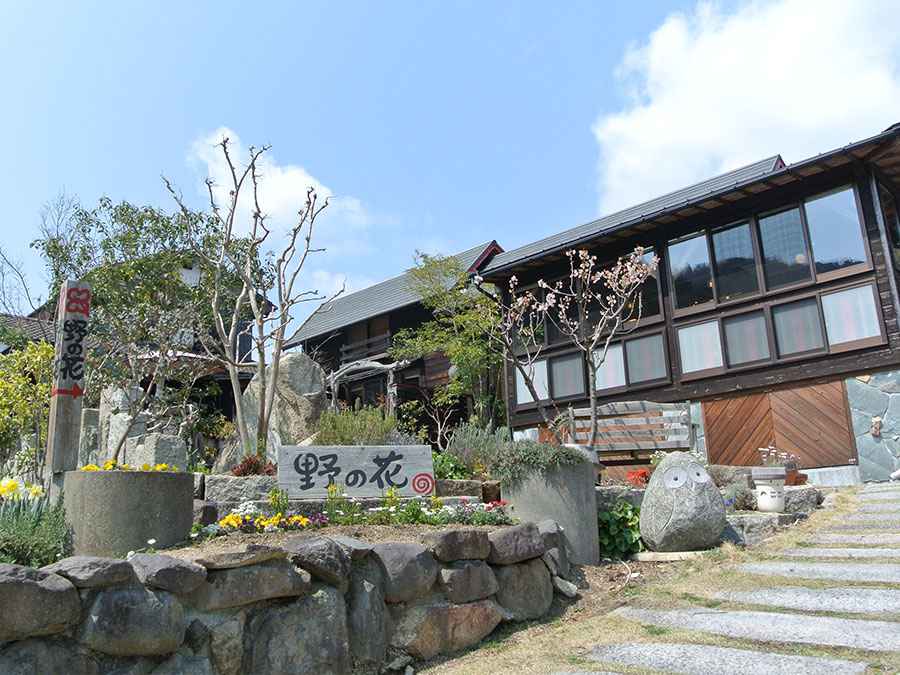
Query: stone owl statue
<point x="682" y="508"/>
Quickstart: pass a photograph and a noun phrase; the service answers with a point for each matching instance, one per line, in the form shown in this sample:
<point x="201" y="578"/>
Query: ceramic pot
<point x="770" y="496"/>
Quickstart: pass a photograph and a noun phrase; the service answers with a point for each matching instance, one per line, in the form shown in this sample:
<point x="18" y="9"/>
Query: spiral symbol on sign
<point x="423" y="483"/>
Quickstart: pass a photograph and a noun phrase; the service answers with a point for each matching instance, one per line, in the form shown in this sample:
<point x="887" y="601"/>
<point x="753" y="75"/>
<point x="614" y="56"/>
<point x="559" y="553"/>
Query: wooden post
<point x="68" y="381"/>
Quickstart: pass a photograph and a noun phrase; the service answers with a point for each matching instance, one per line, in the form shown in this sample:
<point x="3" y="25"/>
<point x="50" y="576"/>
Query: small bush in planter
<point x="515" y="461"/>
<point x="477" y="447"/>
<point x="448" y="467"/>
<point x="254" y="465"/>
<point x="620" y="531"/>
<point x="366" y="426"/>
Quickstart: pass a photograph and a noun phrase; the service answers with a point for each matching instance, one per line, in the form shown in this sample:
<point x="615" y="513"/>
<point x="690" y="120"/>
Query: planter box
<point x="565" y="494"/>
<point x="113" y="512"/>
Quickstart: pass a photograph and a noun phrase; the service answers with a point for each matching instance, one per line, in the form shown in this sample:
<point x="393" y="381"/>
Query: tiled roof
<point x="33" y="329"/>
<point x="380" y="298"/>
<point x="633" y="213"/>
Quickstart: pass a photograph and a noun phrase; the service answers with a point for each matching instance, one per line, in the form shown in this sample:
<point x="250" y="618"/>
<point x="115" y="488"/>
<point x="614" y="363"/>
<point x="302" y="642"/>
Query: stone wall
<point x="875" y="414"/>
<point x="316" y="604"/>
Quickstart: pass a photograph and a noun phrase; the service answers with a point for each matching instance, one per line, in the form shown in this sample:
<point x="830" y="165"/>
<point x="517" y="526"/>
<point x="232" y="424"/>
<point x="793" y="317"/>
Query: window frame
<point x="775" y="357"/>
<point x="693" y="309"/>
<point x="645" y="384"/>
<point x="866" y="264"/>
<point x="705" y="372"/>
<point x="551" y="385"/>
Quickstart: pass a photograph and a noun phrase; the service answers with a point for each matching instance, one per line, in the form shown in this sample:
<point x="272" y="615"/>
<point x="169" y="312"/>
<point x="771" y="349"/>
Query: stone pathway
<point x="839" y="589"/>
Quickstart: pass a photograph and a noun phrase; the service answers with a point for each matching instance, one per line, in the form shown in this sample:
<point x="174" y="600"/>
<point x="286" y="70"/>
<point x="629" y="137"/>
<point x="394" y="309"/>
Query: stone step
<point x="855" y="539"/>
<point x="875" y="507"/>
<point x="812" y="552"/>
<point x="883" y="525"/>
<point x="867" y="572"/>
<point x="709" y="660"/>
<point x="887" y="518"/>
<point x="885" y="496"/>
<point x="881" y="487"/>
<point x="853" y="600"/>
<point x="775" y="627"/>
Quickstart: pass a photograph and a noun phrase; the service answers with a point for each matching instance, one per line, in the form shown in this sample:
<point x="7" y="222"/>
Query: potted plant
<point x="770" y="479"/>
<point x="116" y="508"/>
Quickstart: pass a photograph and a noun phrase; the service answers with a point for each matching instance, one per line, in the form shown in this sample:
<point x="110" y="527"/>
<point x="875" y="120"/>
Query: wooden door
<point x="811" y="422"/>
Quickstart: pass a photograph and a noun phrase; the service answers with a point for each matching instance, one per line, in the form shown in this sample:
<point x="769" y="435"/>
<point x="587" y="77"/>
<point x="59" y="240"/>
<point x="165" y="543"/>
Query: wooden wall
<point x="811" y="422"/>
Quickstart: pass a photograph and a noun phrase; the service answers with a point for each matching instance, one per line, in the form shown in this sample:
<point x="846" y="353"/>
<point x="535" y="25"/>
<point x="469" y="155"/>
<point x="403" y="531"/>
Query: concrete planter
<point x="113" y="512"/>
<point x="564" y="494"/>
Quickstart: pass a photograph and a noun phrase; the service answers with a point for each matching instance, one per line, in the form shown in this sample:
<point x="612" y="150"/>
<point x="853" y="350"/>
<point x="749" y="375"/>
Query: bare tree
<point x="594" y="306"/>
<point x="253" y="290"/>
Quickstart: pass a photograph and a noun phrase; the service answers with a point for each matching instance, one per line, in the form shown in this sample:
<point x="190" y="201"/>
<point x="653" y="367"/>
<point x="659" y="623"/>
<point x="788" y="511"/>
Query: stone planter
<point x="769" y="482"/>
<point x="566" y="495"/>
<point x="113" y="512"/>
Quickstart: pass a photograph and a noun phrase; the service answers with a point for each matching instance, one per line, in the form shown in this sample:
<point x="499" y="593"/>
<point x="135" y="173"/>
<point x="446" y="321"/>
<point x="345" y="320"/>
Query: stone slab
<point x="879" y="487"/>
<point x="836" y="476"/>
<point x="889" y="496"/>
<point x="853" y="600"/>
<point x="710" y="660"/>
<point x="886" y="507"/>
<point x="812" y="552"/>
<point x="883" y="525"/>
<point x="885" y="573"/>
<point x="856" y="539"/>
<point x="775" y="627"/>
<point x="672" y="556"/>
<point x="880" y="518"/>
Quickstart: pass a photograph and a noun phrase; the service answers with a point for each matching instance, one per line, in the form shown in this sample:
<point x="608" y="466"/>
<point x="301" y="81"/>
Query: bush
<point x="366" y="426"/>
<point x="476" y="447"/>
<point x="620" y="531"/>
<point x="515" y="461"/>
<point x="32" y="532"/>
<point x="448" y="467"/>
<point x="253" y="465"/>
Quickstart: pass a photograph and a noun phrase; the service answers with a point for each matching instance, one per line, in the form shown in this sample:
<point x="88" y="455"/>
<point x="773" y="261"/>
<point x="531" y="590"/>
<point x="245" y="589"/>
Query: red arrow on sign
<point x="74" y="392"/>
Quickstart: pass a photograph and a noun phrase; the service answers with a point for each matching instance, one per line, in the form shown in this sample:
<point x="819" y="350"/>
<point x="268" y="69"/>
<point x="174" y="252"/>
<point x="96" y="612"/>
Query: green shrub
<point x="366" y="426"/>
<point x="32" y="532"/>
<point x="278" y="501"/>
<point x="476" y="447"/>
<point x="620" y="531"/>
<point x="448" y="467"/>
<point x="515" y="461"/>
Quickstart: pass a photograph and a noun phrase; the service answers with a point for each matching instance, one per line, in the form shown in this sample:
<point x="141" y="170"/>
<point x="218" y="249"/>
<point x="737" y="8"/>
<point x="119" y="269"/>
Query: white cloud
<point x="709" y="91"/>
<point x="343" y="228"/>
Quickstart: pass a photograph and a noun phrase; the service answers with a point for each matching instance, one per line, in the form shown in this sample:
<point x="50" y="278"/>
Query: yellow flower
<point x="35" y="491"/>
<point x="232" y="520"/>
<point x="161" y="467"/>
<point x="146" y="467"/>
<point x="90" y="467"/>
<point x="124" y="467"/>
<point x="8" y="487"/>
<point x="109" y="465"/>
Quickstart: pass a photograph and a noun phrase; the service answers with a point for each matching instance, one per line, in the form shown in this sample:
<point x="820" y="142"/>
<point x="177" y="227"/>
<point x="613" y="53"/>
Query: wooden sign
<point x="361" y="470"/>
<point x="68" y="376"/>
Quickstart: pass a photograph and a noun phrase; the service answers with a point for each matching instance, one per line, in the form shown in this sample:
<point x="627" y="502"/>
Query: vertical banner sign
<point x="68" y="376"/>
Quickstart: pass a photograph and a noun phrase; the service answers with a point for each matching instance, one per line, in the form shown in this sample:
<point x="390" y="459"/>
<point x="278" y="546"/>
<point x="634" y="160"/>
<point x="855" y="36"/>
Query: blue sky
<point x="437" y="124"/>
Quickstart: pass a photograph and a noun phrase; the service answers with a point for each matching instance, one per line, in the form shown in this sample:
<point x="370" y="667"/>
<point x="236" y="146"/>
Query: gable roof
<point x="380" y="298"/>
<point x="639" y="211"/>
<point x="32" y="328"/>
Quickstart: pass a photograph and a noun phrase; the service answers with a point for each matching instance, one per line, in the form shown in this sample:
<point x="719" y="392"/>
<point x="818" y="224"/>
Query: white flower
<point x="151" y="542"/>
<point x="129" y="555"/>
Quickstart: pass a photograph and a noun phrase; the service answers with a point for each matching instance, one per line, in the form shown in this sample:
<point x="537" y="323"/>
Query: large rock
<point x="682" y="509"/>
<point x="308" y="636"/>
<point x="355" y="548"/>
<point x="34" y="602"/>
<point x="226" y="488"/>
<point x="89" y="438"/>
<point x="179" y="664"/>
<point x="252" y="583"/>
<point x="322" y="558"/>
<point x="526" y="589"/>
<point x="458" y="544"/>
<point x="299" y="400"/>
<point x="35" y="657"/>
<point x="205" y="513"/>
<point x="557" y="561"/>
<point x="723" y="475"/>
<point x="167" y="573"/>
<point x="802" y="499"/>
<point x="115" y="421"/>
<point x="468" y="581"/>
<point x="225" y="634"/>
<point x="750" y="529"/>
<point x="424" y="631"/>
<point x="446" y="487"/>
<point x="155" y="449"/>
<point x="134" y="622"/>
<point x="367" y="616"/>
<point x="410" y="570"/>
<point x="510" y="545"/>
<point x="251" y="554"/>
<point x="86" y="571"/>
<point x="610" y="495"/>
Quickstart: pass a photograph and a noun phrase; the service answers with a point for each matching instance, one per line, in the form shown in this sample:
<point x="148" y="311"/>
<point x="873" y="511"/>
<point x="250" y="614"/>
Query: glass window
<point x="646" y="359"/>
<point x="539" y="376"/>
<point x="610" y="373"/>
<point x="568" y="375"/>
<point x="797" y="327"/>
<point x="746" y="338"/>
<point x="735" y="262"/>
<point x="850" y="315"/>
<point x="785" y="259"/>
<point x="691" y="274"/>
<point x="834" y="231"/>
<point x="700" y="347"/>
<point x="650" y="289"/>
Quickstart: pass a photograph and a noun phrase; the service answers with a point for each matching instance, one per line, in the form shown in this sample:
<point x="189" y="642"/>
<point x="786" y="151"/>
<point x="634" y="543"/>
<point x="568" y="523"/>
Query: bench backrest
<point x="629" y="432"/>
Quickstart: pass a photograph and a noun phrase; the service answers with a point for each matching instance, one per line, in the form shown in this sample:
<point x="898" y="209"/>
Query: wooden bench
<point x="629" y="432"/>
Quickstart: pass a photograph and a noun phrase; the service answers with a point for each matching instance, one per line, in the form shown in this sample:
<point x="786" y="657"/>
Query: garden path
<point x="811" y="609"/>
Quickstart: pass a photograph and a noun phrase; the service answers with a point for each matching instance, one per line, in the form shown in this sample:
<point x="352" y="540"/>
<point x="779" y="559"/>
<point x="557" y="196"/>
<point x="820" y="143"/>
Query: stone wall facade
<point x="316" y="604"/>
<point x="875" y="413"/>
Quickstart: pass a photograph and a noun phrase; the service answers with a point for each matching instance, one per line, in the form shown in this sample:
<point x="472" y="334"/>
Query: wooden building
<point x="361" y="325"/>
<point x="775" y="306"/>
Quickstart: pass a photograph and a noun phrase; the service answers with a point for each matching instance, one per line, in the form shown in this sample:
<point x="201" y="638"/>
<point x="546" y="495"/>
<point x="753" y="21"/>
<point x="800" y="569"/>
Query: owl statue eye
<point x="675" y="477"/>
<point x="697" y="473"/>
